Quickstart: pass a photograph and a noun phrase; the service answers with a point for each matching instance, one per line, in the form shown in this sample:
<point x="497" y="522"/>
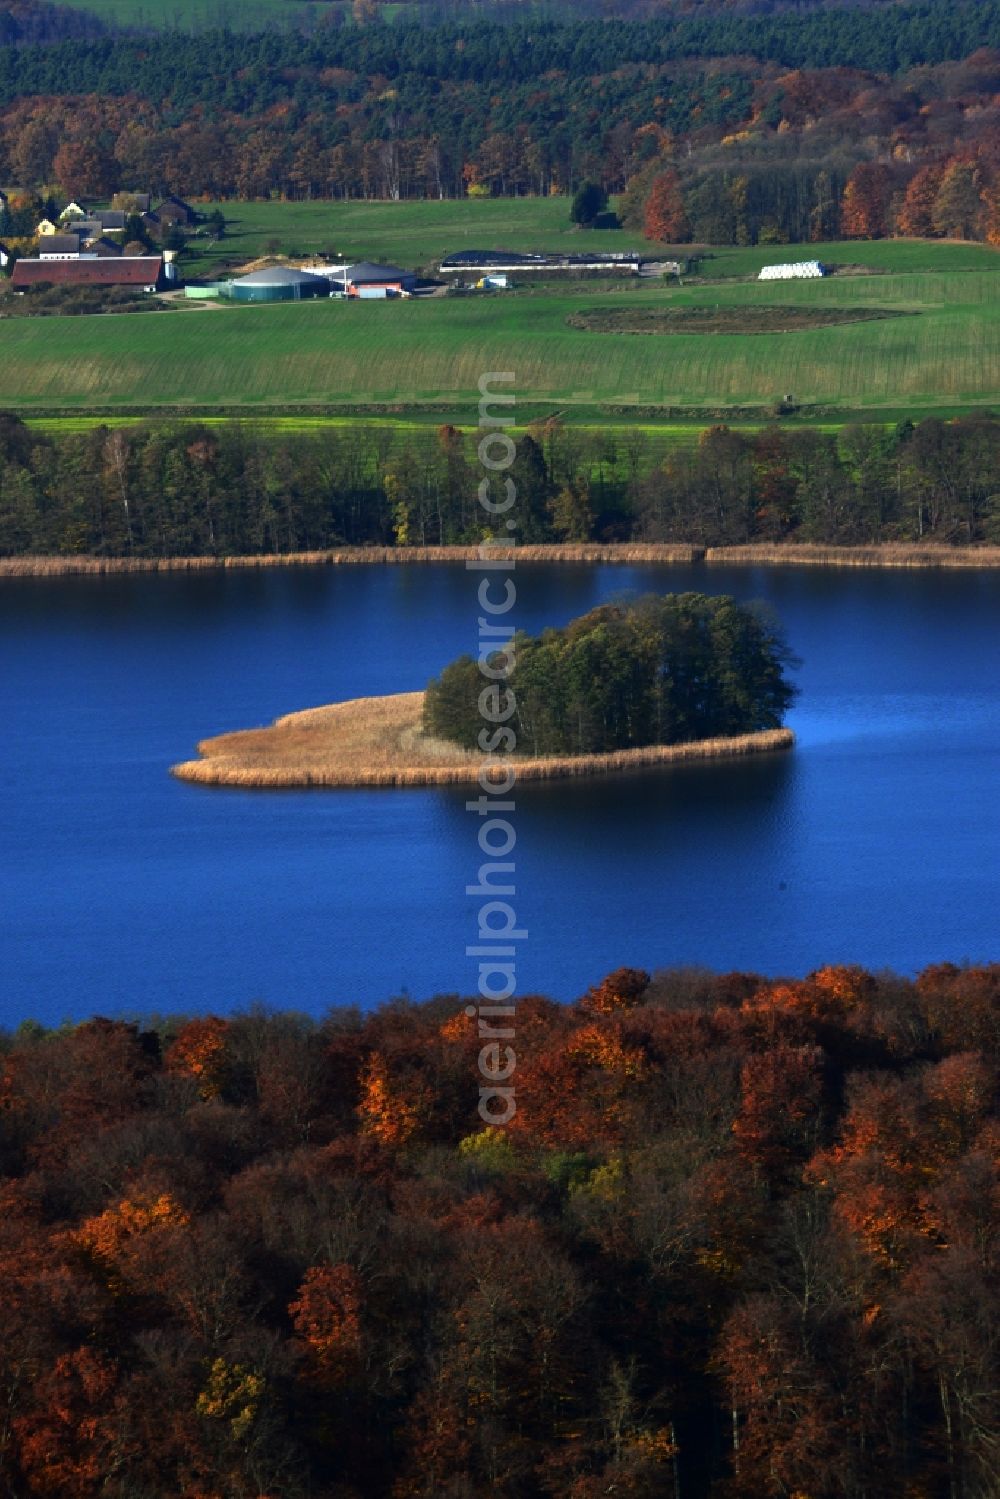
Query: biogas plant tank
<point x="279" y="284"/>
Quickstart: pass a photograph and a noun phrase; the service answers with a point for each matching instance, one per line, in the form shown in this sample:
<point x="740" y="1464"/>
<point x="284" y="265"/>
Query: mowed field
<point x="942" y="355"/>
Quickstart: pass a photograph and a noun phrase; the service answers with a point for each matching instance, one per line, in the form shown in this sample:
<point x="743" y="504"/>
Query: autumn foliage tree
<point x="665" y="218"/>
<point x="916" y="213"/>
<point x="864" y="211"/>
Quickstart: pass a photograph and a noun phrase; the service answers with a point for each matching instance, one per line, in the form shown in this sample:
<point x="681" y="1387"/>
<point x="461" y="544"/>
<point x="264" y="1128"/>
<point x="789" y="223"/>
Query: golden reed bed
<point x="882" y="554"/>
<point x="889" y="554"/>
<point x="377" y="741"/>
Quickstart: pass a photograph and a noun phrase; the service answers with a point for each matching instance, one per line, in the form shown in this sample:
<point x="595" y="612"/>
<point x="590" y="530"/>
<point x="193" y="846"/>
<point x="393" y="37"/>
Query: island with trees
<point x="624" y="687"/>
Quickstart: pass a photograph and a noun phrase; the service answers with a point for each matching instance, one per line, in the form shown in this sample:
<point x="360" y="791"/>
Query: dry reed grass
<point x="889" y="554"/>
<point x="55" y="567"/>
<point x="882" y="554"/>
<point x="377" y="741"/>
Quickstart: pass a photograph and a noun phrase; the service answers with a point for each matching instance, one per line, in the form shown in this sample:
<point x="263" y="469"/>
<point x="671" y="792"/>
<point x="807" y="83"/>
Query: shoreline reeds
<point x="796" y="554"/>
<point x="371" y="742"/>
<point x="878" y="554"/>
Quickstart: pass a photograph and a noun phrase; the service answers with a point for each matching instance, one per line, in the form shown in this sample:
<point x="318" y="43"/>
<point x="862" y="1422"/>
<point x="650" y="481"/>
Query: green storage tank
<point x="279" y="284"/>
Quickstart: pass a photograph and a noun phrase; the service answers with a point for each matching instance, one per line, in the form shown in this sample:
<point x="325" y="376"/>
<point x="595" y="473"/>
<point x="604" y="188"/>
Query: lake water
<point x="877" y="840"/>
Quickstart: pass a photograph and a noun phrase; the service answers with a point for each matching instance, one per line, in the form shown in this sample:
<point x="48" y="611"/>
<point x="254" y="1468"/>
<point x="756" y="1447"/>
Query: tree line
<point x="163" y="490"/>
<point x="666" y="670"/>
<point x="738" y="1241"/>
<point x="791" y="102"/>
<point x="952" y="196"/>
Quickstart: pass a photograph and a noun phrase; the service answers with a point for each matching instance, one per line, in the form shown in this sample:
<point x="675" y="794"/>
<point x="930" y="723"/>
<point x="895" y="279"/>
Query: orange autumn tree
<point x="865" y="206"/>
<point x="621" y="990"/>
<point x="991" y="210"/>
<point x="111" y="1240"/>
<point x="199" y="1051"/>
<point x="387" y="1111"/>
<point x="665" y="217"/>
<point x="326" y="1316"/>
<point x="916" y="214"/>
<point x="66" y="1443"/>
<point x="779" y="1106"/>
<point x="958" y="206"/>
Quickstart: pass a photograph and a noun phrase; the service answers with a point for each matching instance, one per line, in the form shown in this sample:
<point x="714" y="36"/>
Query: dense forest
<point x="794" y="125"/>
<point x="667" y="669"/>
<point x="187" y="490"/>
<point x="739" y="1240"/>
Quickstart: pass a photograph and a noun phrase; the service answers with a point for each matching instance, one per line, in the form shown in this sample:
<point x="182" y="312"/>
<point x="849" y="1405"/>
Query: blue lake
<point x="877" y="840"/>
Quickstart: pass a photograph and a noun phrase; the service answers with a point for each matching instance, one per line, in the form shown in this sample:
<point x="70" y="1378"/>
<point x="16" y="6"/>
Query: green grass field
<point x="426" y="357"/>
<point x="414" y="234"/>
<point x="418" y="234"/>
<point x="902" y="256"/>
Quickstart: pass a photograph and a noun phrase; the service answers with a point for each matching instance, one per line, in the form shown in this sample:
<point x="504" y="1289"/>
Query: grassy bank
<point x="587" y="553"/>
<point x="378" y="742"/>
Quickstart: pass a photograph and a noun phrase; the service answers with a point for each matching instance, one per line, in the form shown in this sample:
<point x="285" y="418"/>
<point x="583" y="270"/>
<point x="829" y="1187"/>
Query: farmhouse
<point x="100" y="246"/>
<point x="84" y="241"/>
<point x="142" y="272"/>
<point x="60" y="247"/>
<point x="174" y="212"/>
<point x="799" y="270"/>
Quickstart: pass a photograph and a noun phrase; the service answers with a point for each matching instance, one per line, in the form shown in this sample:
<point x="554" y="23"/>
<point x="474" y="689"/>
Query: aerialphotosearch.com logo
<point x="497" y="929"/>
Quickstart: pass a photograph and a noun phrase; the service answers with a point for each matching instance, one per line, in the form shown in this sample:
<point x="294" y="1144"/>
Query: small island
<point x="626" y="687"/>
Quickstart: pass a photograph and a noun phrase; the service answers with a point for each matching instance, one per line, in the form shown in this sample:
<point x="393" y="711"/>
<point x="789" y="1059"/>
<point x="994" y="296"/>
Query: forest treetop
<point x="399" y="111"/>
<point x="738" y="1231"/>
<point x="662" y="670"/>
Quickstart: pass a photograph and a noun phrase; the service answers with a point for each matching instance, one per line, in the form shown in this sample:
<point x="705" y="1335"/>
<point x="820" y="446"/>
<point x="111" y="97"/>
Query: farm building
<point x="366" y="279"/>
<point x="4" y="257"/>
<point x="81" y="244"/>
<point x="174" y="211"/>
<point x="60" y="247"/>
<point x="279" y="283"/>
<point x="800" y="270"/>
<point x="490" y="262"/>
<point x="142" y="272"/>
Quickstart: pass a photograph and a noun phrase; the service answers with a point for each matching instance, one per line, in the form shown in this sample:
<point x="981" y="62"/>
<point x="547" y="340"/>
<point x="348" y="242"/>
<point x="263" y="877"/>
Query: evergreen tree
<point x="589" y="201"/>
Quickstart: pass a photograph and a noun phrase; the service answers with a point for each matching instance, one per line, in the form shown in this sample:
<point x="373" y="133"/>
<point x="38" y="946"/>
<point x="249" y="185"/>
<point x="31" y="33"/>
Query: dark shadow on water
<point x="664" y="807"/>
